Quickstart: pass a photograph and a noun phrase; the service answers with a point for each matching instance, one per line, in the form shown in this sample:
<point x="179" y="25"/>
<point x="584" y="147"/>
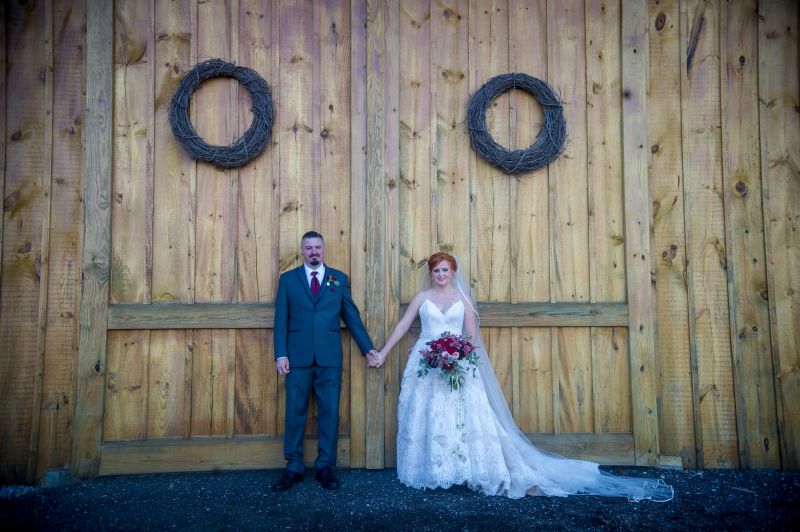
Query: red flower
<point x="445" y="353"/>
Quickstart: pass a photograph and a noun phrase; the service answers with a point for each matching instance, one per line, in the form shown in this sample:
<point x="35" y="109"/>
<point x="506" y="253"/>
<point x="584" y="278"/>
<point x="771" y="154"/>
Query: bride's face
<point x="442" y="274"/>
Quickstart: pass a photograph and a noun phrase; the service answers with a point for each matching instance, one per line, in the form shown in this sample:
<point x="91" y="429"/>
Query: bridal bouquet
<point x="453" y="355"/>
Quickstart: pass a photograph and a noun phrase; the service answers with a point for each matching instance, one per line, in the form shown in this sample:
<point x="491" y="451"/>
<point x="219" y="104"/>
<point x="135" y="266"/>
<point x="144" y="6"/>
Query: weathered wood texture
<point x="96" y="263"/>
<point x="676" y="422"/>
<point x="638" y="218"/>
<point x="61" y="334"/>
<point x="754" y="384"/>
<point x="710" y="346"/>
<point x="638" y="296"/>
<point x="23" y="209"/>
<point x="779" y="98"/>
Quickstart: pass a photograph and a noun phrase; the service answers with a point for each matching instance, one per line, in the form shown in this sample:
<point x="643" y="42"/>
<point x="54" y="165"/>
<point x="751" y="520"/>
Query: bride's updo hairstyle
<point x="440" y="256"/>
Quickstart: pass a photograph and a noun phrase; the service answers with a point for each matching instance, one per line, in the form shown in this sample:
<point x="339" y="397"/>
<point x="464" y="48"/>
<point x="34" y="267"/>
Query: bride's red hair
<point x="440" y="256"/>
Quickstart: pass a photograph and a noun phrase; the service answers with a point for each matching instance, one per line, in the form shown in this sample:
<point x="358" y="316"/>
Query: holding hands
<point x="375" y="359"/>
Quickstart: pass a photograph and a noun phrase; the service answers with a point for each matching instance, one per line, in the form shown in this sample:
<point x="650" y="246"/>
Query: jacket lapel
<point x="303" y="280"/>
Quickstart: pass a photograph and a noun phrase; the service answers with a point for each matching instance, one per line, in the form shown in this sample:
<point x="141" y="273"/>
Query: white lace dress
<point x="448" y="437"/>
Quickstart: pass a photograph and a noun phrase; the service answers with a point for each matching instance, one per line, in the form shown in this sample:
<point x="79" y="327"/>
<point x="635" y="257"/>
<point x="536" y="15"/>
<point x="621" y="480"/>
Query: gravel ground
<point x="370" y="500"/>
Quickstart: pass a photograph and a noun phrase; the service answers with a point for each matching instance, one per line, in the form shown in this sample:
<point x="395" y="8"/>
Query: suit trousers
<point x="327" y="385"/>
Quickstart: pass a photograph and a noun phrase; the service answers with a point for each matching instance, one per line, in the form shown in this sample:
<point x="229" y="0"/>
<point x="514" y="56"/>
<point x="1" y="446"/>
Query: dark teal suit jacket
<point x="307" y="328"/>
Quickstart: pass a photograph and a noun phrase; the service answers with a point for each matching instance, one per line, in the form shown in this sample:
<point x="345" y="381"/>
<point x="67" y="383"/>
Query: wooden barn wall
<point x="370" y="102"/>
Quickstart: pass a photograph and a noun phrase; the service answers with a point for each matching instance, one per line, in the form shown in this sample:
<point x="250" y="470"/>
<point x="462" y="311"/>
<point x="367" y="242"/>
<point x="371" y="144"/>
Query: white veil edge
<point x="553" y="475"/>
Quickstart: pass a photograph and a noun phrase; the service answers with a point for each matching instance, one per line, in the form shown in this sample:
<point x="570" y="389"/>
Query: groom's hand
<point x="283" y="365"/>
<point x="372" y="358"/>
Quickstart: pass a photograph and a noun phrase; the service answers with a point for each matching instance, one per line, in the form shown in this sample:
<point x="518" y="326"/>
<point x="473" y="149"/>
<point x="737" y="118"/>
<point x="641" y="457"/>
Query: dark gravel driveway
<point x="375" y="500"/>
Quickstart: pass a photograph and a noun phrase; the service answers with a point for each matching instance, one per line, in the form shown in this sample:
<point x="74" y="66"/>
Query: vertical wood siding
<point x="677" y="193"/>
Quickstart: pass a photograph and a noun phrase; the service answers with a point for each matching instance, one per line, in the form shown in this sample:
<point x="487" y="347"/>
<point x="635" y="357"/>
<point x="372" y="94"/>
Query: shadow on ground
<point x="370" y="500"/>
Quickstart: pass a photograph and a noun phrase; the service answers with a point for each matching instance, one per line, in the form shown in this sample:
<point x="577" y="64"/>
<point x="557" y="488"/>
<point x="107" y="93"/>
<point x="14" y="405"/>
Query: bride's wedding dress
<point x="448" y="437"/>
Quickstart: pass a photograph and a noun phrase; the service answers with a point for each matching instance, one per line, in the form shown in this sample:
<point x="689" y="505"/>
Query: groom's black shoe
<point x="287" y="480"/>
<point x="327" y="479"/>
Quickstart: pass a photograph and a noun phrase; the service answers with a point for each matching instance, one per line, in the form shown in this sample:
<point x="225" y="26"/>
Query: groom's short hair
<point x="312" y="234"/>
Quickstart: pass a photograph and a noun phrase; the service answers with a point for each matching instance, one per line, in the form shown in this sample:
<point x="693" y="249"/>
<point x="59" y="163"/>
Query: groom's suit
<point x="307" y="331"/>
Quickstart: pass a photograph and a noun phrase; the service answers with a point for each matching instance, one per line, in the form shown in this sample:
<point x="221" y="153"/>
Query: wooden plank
<point x="376" y="231"/>
<point x="174" y="183"/>
<point x="126" y="403"/>
<point x="489" y="55"/>
<point x="44" y="253"/>
<point x="129" y="240"/>
<point x="415" y="209"/>
<point x="211" y="384"/>
<point x="358" y="220"/>
<point x="22" y="211"/>
<point x="605" y="449"/>
<point x="530" y="260"/>
<point x="780" y="155"/>
<point x="96" y="262"/>
<point x="489" y="29"/>
<point x="165" y="385"/>
<point x="569" y="215"/>
<point x="676" y="419"/>
<point x="536" y="380"/>
<point x="174" y="171"/>
<point x="231" y="266"/>
<point x="256" y="384"/>
<point x="296" y="138"/>
<point x="58" y="382"/>
<point x="610" y="364"/>
<point x="125" y="415"/>
<point x="391" y="276"/>
<point x="298" y="182"/>
<point x="260" y="315"/>
<point x="213" y="364"/>
<point x="258" y="194"/>
<point x="205" y="454"/>
<point x="191" y="316"/>
<point x="258" y="452"/>
<point x="756" y="416"/>
<point x="3" y="123"/>
<point x="256" y="381"/>
<point x="637" y="231"/>
<point x="451" y="157"/>
<point x="215" y="226"/>
<point x="709" y="324"/>
<point x="414" y="186"/>
<point x="332" y="20"/>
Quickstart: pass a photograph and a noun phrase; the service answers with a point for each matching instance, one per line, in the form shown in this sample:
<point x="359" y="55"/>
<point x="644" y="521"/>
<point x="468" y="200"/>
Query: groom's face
<point x="313" y="251"/>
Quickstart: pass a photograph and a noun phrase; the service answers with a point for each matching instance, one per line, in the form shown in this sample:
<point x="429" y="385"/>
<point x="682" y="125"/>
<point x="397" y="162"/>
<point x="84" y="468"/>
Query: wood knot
<point x="741" y="188"/>
<point x="654" y="148"/>
<point x="324" y="133"/>
<point x="661" y="19"/>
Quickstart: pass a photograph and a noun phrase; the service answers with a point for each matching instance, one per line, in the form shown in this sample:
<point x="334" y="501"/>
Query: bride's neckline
<point x="443" y="312"/>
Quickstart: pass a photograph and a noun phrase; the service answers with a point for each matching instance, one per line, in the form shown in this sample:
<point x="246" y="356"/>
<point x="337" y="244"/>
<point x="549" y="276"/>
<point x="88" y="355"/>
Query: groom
<point x="311" y="301"/>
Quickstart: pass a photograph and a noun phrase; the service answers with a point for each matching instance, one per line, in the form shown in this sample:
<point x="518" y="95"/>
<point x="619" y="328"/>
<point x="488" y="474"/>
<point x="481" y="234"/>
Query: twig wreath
<point x="245" y="148"/>
<point x="549" y="142"/>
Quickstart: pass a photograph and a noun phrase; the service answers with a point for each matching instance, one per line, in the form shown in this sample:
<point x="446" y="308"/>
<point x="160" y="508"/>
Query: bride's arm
<point x="470" y="322"/>
<point x="402" y="327"/>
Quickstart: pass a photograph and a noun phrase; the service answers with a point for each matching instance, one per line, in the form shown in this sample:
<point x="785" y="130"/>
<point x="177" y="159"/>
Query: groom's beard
<point x="314" y="262"/>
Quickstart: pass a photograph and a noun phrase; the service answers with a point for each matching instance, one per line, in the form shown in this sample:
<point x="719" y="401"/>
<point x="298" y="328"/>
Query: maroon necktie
<point x="314" y="284"/>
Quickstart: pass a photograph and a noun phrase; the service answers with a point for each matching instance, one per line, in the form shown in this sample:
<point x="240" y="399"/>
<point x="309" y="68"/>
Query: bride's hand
<point x="379" y="359"/>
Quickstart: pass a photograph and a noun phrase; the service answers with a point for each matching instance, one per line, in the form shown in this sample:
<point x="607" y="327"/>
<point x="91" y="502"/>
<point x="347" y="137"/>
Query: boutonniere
<point x="332" y="281"/>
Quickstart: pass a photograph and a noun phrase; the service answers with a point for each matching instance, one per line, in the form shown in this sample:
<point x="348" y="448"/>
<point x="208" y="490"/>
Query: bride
<point x="467" y="436"/>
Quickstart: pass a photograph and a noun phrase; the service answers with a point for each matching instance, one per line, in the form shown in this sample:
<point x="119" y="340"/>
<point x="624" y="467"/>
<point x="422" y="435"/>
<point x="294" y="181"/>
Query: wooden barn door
<point x="180" y="259"/>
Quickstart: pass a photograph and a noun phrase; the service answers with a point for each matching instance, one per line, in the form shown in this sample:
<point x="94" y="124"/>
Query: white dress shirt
<point x="320" y="273"/>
